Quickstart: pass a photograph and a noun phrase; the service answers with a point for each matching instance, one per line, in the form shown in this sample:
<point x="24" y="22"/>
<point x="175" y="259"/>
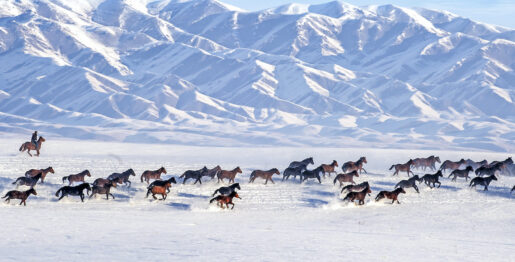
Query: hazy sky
<point x="499" y="12"/>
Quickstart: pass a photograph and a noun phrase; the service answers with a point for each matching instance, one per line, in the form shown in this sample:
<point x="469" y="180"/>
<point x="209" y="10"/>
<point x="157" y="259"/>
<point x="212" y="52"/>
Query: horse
<point x="355" y="188"/>
<point x="402" y="167"/>
<point x="221" y="199"/>
<point x="77" y="177"/>
<point x="448" y="164"/>
<point x="507" y="162"/>
<point x="103" y="181"/>
<point x="393" y="195"/>
<point x="360" y="196"/>
<point x="195" y="174"/>
<point x="426" y="162"/>
<point x="161" y="190"/>
<point x="105" y="189"/>
<point x="23" y="195"/>
<point x="348" y="177"/>
<point x="329" y="168"/>
<point x="228" y="174"/>
<point x="461" y="173"/>
<point x="476" y="165"/>
<point x="428" y="179"/>
<point x="162" y="183"/>
<point x="44" y="172"/>
<point x="267" y="175"/>
<point x="74" y="191"/>
<point x="212" y="172"/>
<point x="411" y="182"/>
<point x="358" y="165"/>
<point x="488" y="170"/>
<point x="156" y="174"/>
<point x="29" y="146"/>
<point x="227" y="190"/>
<point x="304" y="163"/>
<point x="123" y="177"/>
<point x="315" y="173"/>
<point x="27" y="181"/>
<point x="484" y="181"/>
<point x="295" y="171"/>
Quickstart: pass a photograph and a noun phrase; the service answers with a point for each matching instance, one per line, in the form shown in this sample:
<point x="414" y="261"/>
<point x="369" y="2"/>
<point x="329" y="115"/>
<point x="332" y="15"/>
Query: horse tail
<point x="183" y="174"/>
<point x="57" y="193"/>
<point x="391" y="167"/>
<point x="335" y="179"/>
<point x="6" y="195"/>
<point x="215" y="192"/>
<point x="16" y="181"/>
<point x="380" y="196"/>
<point x="398" y="184"/>
<point x="142" y="177"/>
<point x="22" y="147"/>
<point x="212" y="200"/>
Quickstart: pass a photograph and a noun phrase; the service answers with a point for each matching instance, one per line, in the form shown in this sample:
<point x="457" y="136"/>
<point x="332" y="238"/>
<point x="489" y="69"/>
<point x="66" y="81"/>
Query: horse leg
<point x="416" y="188"/>
<point x="111" y="195"/>
<point x="232" y="205"/>
<point x="365" y="170"/>
<point x="81" y="197"/>
<point x="37" y="151"/>
<point x="154" y="196"/>
<point x="486" y="188"/>
<point x="266" y="180"/>
<point x="28" y="152"/>
<point x="271" y="180"/>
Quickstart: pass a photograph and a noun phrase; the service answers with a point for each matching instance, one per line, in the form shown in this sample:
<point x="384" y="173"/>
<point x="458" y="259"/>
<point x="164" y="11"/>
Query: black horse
<point x="123" y="177"/>
<point x="410" y="182"/>
<point x="315" y="173"/>
<point x="162" y="183"/>
<point x="428" y="179"/>
<point x="27" y="181"/>
<point x="484" y="181"/>
<point x="489" y="170"/>
<point x="304" y="163"/>
<point x="194" y="174"/>
<point x="227" y="190"/>
<point x="293" y="171"/>
<point x="356" y="188"/>
<point x="74" y="191"/>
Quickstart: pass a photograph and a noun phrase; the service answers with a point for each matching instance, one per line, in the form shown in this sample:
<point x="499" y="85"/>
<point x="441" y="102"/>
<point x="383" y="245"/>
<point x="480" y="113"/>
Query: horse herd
<point x="485" y="174"/>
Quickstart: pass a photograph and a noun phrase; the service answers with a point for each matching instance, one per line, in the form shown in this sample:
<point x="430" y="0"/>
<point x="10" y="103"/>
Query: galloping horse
<point x="426" y="162"/>
<point x="29" y="146"/>
<point x="448" y="164"/>
<point x="27" y="181"/>
<point x="123" y="177"/>
<point x="348" y="177"/>
<point x="358" y="165"/>
<point x="74" y="191"/>
<point x="221" y="199"/>
<point x="402" y="167"/>
<point x="163" y="183"/>
<point x="77" y="177"/>
<point x="461" y="173"/>
<point x="484" y="181"/>
<point x="429" y="178"/>
<point x="23" y="195"/>
<point x="34" y="172"/>
<point x="267" y="175"/>
<point x="304" y="163"/>
<point x="393" y="195"/>
<point x="329" y="168"/>
<point x="156" y="174"/>
<point x="410" y="182"/>
<point x="360" y="196"/>
<point x="228" y="174"/>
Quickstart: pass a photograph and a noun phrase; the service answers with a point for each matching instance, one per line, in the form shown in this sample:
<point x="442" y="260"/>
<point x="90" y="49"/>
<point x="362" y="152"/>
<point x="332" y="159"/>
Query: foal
<point x="221" y="199"/>
<point x="461" y="173"/>
<point x="77" y="177"/>
<point x="44" y="172"/>
<point x="391" y="195"/>
<point x="360" y="196"/>
<point x="428" y="179"/>
<point x="156" y="174"/>
<point x="329" y="168"/>
<point x="346" y="178"/>
<point x="267" y="175"/>
<point x="411" y="182"/>
<point x="23" y="195"/>
<point x="228" y="174"/>
<point x="402" y="167"/>
<point x="484" y="181"/>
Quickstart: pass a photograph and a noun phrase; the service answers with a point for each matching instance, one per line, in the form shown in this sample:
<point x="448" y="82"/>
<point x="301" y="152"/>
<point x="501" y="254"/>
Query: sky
<point x="497" y="12"/>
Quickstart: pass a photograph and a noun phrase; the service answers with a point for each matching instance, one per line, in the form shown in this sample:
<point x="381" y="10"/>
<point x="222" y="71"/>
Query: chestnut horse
<point x="393" y="195"/>
<point x="29" y="146"/>
<point x="461" y="173"/>
<point x="228" y="174"/>
<point x="159" y="190"/>
<point x="267" y="175"/>
<point x="448" y="164"/>
<point x="77" y="177"/>
<point x="402" y="167"/>
<point x="44" y="172"/>
<point x="358" y="165"/>
<point x="360" y="196"/>
<point x="348" y="177"/>
<point x="23" y="195"/>
<point x="329" y="168"/>
<point x="426" y="162"/>
<point x="163" y="183"/>
<point x="221" y="199"/>
<point x="156" y="174"/>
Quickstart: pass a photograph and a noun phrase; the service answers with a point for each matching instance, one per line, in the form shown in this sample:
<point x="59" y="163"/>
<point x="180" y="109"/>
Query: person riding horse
<point x="34" y="139"/>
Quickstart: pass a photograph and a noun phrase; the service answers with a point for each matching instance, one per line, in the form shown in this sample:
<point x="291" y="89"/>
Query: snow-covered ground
<point x="285" y="221"/>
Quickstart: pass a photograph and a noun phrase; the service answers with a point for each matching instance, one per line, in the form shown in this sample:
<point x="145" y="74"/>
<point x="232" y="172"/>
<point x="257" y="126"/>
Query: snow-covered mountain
<point x="203" y="72"/>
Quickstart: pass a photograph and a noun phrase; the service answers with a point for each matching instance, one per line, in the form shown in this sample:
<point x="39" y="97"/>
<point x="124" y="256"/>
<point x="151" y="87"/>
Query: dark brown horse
<point x="358" y="165"/>
<point x="355" y="188"/>
<point x="163" y="183"/>
<point x="212" y="172"/>
<point x="329" y="168"/>
<point x="29" y="146"/>
<point x="23" y="195"/>
<point x="348" y="177"/>
<point x="393" y="195"/>
<point x="123" y="177"/>
<point x="461" y="173"/>
<point x="402" y="167"/>
<point x="194" y="174"/>
<point x="73" y="191"/>
<point x="426" y="162"/>
<point x="27" y="181"/>
<point x="156" y="174"/>
<point x="103" y="181"/>
<point x="105" y="189"/>
<point x="360" y="196"/>
<point x="228" y="174"/>
<point x="505" y="164"/>
<point x="448" y="164"/>
<point x="221" y="199"/>
<point x="267" y="175"/>
<point x="44" y="172"/>
<point x="77" y="177"/>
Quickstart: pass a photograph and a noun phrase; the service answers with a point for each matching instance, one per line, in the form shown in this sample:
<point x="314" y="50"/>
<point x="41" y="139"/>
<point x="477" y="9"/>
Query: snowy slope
<point x="203" y="72"/>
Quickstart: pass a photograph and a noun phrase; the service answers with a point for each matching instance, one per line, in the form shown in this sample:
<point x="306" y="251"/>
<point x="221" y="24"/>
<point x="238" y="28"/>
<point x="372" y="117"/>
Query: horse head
<point x="131" y="172"/>
<point x="275" y="171"/>
<point x="162" y="170"/>
<point x="238" y="169"/>
<point x="32" y="191"/>
<point x="438" y="159"/>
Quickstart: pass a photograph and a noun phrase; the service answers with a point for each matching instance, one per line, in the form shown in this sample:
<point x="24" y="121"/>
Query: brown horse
<point x="329" y="168"/>
<point x="221" y="199"/>
<point x="159" y="190"/>
<point x="358" y="165"/>
<point x="228" y="174"/>
<point x="348" y="177"/>
<point x="461" y="173"/>
<point x="264" y="174"/>
<point x="34" y="172"/>
<point x="77" y="177"/>
<point x="360" y="196"/>
<point x="23" y="195"/>
<point x="103" y="181"/>
<point x="156" y="174"/>
<point x="391" y="195"/>
<point x="212" y="172"/>
<point x="426" y="162"/>
<point x="448" y="164"/>
<point x="402" y="167"/>
<point x="29" y="146"/>
<point x="105" y="189"/>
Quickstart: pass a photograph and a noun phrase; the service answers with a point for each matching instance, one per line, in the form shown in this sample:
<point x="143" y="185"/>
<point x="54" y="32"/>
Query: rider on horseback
<point x="34" y="139"/>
